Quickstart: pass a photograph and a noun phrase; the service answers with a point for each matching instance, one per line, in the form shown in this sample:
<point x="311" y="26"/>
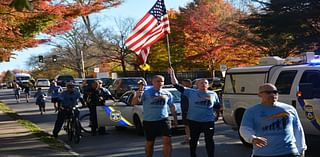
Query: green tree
<point x="286" y="27"/>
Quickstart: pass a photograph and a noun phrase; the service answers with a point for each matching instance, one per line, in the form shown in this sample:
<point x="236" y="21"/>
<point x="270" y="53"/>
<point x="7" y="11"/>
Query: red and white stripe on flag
<point x="144" y="54"/>
<point x="153" y="26"/>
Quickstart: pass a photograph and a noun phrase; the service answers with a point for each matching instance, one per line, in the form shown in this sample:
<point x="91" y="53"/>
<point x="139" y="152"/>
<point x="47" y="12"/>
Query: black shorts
<point x="54" y="100"/>
<point x="152" y="129"/>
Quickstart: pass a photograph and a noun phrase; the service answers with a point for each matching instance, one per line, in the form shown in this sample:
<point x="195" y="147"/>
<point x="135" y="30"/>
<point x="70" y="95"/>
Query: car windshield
<point x="131" y="81"/>
<point x="23" y="78"/>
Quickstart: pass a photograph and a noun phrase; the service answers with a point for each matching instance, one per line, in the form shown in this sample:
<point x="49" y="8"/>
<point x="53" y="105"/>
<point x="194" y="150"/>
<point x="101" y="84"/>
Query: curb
<point x="69" y="148"/>
<point x="66" y="146"/>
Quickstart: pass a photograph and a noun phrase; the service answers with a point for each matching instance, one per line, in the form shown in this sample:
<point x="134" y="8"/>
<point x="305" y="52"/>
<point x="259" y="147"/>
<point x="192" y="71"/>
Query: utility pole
<point x="83" y="75"/>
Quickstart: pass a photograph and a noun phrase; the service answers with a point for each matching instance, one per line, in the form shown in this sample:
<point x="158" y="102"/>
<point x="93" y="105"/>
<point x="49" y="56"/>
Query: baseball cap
<point x="140" y="82"/>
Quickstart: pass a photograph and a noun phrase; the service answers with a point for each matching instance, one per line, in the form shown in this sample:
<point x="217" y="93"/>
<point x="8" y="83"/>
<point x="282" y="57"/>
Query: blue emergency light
<point x="315" y="62"/>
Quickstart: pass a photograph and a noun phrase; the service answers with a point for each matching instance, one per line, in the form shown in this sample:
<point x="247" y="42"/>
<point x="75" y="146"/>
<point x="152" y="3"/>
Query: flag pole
<point x="168" y="50"/>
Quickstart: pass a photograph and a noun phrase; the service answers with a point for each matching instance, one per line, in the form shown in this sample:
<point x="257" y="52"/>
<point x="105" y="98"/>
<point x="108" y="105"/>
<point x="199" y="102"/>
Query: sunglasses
<point x="269" y="92"/>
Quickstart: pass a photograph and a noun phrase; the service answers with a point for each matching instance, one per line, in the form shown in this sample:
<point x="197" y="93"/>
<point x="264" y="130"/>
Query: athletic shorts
<point x="152" y="129"/>
<point x="54" y="100"/>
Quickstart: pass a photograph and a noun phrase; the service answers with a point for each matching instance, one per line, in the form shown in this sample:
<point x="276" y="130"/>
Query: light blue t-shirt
<point x="276" y="124"/>
<point x="155" y="109"/>
<point x="201" y="105"/>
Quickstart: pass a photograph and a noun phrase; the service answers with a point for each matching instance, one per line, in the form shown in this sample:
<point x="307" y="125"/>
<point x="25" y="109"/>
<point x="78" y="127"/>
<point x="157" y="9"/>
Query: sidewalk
<point x="17" y="141"/>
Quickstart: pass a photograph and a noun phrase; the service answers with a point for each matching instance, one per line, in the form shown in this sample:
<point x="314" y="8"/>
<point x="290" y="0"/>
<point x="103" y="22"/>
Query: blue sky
<point x="130" y="8"/>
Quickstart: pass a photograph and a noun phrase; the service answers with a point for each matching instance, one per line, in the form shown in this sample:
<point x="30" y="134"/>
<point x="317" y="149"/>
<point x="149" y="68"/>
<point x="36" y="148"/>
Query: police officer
<point x="184" y="109"/>
<point x="69" y="99"/>
<point x="97" y="97"/>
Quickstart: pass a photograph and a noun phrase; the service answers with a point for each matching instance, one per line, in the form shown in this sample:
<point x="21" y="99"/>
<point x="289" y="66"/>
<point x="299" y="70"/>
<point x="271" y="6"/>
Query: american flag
<point x="148" y="30"/>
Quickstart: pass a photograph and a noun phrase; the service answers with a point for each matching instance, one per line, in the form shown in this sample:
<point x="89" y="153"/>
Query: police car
<point x="122" y="113"/>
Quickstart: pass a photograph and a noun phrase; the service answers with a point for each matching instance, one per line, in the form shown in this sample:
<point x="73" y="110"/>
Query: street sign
<point x="96" y="70"/>
<point x="223" y="67"/>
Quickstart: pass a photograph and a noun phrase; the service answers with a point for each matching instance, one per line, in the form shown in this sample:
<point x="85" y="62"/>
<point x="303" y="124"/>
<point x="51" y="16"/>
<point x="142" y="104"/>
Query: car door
<point x="308" y="98"/>
<point x="118" y="113"/>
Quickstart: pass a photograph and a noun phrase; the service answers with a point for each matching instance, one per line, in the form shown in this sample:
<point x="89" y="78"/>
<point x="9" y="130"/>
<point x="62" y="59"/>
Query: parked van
<point x="298" y="85"/>
<point x="23" y="78"/>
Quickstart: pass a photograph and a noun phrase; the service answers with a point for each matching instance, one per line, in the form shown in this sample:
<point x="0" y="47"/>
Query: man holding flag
<point x="153" y="26"/>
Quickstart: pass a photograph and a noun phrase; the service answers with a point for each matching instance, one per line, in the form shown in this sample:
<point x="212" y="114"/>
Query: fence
<point x="180" y="75"/>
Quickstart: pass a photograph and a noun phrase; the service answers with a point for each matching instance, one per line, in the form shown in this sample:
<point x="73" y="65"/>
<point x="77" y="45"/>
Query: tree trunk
<point x="123" y="65"/>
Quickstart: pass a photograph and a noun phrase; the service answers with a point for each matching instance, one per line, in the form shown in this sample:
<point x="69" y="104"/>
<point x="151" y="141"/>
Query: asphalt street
<point x="121" y="143"/>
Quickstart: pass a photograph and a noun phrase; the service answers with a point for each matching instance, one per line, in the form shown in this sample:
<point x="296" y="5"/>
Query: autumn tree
<point x="206" y="34"/>
<point x="286" y="27"/>
<point x="214" y="35"/>
<point x="8" y="76"/>
<point x="158" y="57"/>
<point x="20" y="28"/>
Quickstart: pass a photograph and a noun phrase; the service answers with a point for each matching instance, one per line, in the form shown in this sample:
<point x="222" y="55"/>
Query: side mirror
<point x="305" y="90"/>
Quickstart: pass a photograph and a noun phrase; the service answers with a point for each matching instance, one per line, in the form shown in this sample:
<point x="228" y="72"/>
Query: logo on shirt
<point x="280" y="121"/>
<point x="278" y="115"/>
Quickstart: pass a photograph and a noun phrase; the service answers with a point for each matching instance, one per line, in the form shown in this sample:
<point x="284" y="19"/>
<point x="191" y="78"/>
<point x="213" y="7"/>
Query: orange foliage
<point x="19" y="28"/>
<point x="210" y="29"/>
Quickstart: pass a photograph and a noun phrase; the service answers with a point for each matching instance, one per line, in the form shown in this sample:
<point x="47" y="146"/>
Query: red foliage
<point x="209" y="29"/>
<point x="47" y="16"/>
